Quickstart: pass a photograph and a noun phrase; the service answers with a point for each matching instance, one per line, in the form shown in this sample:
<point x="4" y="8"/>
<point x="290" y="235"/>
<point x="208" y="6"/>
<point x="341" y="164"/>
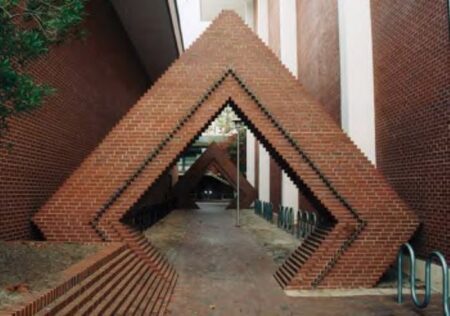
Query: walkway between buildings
<point x="224" y="271"/>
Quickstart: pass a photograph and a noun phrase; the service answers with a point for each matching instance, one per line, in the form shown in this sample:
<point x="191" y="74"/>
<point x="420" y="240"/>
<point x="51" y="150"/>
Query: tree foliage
<point x="223" y="124"/>
<point x="28" y="28"/>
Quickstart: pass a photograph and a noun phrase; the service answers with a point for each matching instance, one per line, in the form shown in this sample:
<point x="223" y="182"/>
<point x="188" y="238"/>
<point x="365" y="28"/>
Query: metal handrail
<point x="412" y="260"/>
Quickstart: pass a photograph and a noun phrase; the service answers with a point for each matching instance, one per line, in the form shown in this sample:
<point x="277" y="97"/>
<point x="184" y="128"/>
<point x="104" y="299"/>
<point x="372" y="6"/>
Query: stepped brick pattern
<point x="293" y="264"/>
<point x="230" y="66"/>
<point x="215" y="157"/>
<point x="114" y="281"/>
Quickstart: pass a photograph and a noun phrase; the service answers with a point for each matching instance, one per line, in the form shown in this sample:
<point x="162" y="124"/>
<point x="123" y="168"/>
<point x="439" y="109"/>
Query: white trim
<point x="264" y="174"/>
<point x="175" y="24"/>
<point x="288" y="34"/>
<point x="263" y="20"/>
<point x="289" y="192"/>
<point x="250" y="151"/>
<point x="356" y="63"/>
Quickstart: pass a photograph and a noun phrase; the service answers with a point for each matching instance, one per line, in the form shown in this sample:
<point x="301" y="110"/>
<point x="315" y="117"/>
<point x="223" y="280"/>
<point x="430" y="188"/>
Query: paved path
<point x="224" y="271"/>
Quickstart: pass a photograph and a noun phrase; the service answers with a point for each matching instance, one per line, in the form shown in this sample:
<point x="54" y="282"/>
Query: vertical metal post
<point x="237" y="175"/>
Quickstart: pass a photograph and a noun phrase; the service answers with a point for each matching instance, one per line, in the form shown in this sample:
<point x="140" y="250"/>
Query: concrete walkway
<point x="224" y="271"/>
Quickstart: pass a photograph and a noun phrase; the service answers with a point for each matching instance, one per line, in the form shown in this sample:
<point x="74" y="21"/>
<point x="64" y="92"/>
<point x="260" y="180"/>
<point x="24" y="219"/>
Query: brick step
<point x="164" y="295"/>
<point x="287" y="273"/>
<point x="119" y="294"/>
<point x="315" y="241"/>
<point x="153" y="253"/>
<point x="146" y="301"/>
<point x="138" y="242"/>
<point x="166" y="271"/>
<point x="168" y="295"/>
<point x="94" y="292"/>
<point x="142" y="295"/>
<point x="322" y="230"/>
<point x="297" y="259"/>
<point x="291" y="266"/>
<point x="136" y="233"/>
<point x="282" y="280"/>
<point x="112" y="265"/>
<point x="302" y="254"/>
<point x="137" y="291"/>
<point x="319" y="233"/>
<point x="153" y="257"/>
<point x="156" y="256"/>
<point x="294" y="261"/>
<point x="305" y="249"/>
<point x="148" y="298"/>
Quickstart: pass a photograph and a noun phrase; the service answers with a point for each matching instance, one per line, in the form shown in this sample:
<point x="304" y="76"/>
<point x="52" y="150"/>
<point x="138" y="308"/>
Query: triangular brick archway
<point x="230" y="65"/>
<point x="214" y="155"/>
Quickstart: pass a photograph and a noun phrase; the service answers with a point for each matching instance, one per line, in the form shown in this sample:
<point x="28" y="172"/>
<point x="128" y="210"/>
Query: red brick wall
<point x="318" y="52"/>
<point x="97" y="81"/>
<point x="412" y="95"/>
<point x="275" y="183"/>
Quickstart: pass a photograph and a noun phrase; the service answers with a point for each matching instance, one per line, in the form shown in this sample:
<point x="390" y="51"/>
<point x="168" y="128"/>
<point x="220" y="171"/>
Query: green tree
<point x="27" y="30"/>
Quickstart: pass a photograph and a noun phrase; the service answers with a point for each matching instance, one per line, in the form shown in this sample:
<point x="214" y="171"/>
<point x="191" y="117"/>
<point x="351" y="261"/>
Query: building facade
<point x="97" y="80"/>
<point x="381" y="69"/>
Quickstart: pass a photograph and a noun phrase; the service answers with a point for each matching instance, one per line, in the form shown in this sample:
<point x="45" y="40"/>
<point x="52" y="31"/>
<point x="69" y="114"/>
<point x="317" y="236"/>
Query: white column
<point x="288" y="45"/>
<point x="288" y="34"/>
<point x="263" y="20"/>
<point x="264" y="158"/>
<point x="250" y="157"/>
<point x="289" y="192"/>
<point x="356" y="62"/>
<point x="264" y="174"/>
<point x="249" y="18"/>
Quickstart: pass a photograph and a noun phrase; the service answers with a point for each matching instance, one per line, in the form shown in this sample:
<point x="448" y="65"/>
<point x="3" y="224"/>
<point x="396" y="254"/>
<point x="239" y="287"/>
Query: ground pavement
<point x="223" y="270"/>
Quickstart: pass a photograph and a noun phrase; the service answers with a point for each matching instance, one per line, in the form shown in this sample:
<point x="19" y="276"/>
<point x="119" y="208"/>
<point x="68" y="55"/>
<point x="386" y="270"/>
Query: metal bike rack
<point x="299" y="222"/>
<point x="280" y="221"/>
<point x="302" y="227"/>
<point x="289" y="219"/>
<point x="412" y="260"/>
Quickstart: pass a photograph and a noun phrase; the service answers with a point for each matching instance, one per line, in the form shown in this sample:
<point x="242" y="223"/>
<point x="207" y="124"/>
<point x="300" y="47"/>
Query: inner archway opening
<point x="162" y="197"/>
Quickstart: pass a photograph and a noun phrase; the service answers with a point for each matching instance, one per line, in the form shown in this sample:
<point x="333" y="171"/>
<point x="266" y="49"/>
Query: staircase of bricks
<point x="288" y="275"/>
<point x="123" y="285"/>
<point x="227" y="66"/>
